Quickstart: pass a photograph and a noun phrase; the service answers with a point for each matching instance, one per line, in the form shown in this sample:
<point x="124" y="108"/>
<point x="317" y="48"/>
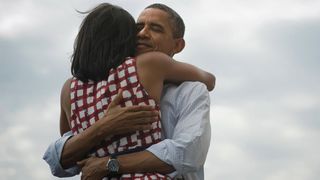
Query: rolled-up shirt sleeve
<point x="186" y="147"/>
<point x="53" y="154"/>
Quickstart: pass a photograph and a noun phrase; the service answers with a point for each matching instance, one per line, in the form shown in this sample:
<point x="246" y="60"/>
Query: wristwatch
<point x="113" y="165"/>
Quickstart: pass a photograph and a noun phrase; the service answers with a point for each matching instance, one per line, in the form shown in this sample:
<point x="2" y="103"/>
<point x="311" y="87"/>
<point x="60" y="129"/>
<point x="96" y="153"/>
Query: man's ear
<point x="179" y="45"/>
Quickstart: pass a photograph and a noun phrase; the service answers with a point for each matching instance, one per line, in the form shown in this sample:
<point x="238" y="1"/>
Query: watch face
<point x="113" y="165"/>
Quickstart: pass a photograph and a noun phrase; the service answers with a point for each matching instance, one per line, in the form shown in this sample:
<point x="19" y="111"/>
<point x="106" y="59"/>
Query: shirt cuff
<point x="52" y="157"/>
<point x="162" y="149"/>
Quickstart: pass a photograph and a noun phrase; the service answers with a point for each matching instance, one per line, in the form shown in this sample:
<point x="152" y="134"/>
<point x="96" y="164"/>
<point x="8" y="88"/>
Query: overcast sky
<point x="265" y="114"/>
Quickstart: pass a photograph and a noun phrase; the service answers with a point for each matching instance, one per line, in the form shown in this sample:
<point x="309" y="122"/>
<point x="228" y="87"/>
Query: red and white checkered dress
<point x="89" y="100"/>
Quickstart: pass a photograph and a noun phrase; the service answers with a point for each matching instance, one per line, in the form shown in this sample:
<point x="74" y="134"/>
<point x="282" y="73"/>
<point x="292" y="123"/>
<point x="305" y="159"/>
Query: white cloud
<point x="301" y="101"/>
<point x="26" y="139"/>
<point x="11" y="25"/>
<point x="16" y="18"/>
<point x="260" y="141"/>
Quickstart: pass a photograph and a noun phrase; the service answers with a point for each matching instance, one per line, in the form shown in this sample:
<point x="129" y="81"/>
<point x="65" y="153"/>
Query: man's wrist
<point x="99" y="131"/>
<point x="142" y="162"/>
<point x="113" y="165"/>
<point x="94" y="134"/>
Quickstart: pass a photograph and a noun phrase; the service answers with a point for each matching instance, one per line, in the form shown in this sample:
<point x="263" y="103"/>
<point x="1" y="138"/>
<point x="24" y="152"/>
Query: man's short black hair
<point x="176" y="21"/>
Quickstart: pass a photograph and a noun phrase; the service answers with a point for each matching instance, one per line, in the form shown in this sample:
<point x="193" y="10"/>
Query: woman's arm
<point x="179" y="71"/>
<point x="163" y="66"/>
<point x="77" y="147"/>
<point x="65" y="105"/>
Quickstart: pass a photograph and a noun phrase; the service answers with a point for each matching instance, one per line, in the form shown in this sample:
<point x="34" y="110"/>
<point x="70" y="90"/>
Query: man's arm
<point x="143" y="161"/>
<point x="67" y="150"/>
<point x="52" y="157"/>
<point x="187" y="145"/>
<point x="140" y="162"/>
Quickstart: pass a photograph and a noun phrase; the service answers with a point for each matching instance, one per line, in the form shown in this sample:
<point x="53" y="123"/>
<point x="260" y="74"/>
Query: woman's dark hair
<point x="107" y="36"/>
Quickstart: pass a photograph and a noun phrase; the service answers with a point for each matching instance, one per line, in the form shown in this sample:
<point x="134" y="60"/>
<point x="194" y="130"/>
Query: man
<point x="185" y="117"/>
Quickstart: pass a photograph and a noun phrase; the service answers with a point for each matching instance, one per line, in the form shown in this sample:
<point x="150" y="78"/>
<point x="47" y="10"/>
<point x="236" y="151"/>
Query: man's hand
<point x="93" y="168"/>
<point x="117" y="120"/>
<point x="121" y="120"/>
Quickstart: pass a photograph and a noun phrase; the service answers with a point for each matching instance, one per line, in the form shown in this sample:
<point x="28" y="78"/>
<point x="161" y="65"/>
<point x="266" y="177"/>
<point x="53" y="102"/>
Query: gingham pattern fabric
<point x="89" y="100"/>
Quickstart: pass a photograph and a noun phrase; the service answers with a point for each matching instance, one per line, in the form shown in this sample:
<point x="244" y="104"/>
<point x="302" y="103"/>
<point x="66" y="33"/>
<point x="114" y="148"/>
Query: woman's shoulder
<point x="67" y="84"/>
<point x="65" y="93"/>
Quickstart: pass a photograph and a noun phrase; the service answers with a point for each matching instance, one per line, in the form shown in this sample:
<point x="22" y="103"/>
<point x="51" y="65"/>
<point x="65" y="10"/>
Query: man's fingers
<point x="137" y="125"/>
<point x="135" y="128"/>
<point x="141" y="124"/>
<point x="142" y="114"/>
<point x="116" y="101"/>
<point x="82" y="162"/>
<point x="143" y="127"/>
<point x="141" y="121"/>
<point x="140" y="108"/>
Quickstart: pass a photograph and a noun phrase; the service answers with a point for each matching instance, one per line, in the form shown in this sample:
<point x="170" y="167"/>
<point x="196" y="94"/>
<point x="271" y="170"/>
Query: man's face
<point x="155" y="32"/>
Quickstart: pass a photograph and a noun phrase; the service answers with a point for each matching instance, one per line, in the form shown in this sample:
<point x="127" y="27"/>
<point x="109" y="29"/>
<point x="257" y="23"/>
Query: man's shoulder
<point x="192" y="84"/>
<point x="186" y="87"/>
